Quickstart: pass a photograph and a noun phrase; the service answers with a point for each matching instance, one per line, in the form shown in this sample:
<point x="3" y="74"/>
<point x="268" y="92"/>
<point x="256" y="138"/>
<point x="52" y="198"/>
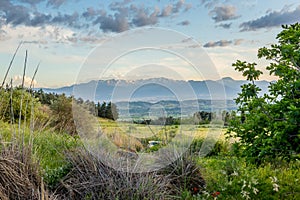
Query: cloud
<point x="223" y="43"/>
<point x="188" y="6"/>
<point x="272" y="19"/>
<point x="119" y="16"/>
<point x="184" y="23"/>
<point x="226" y="26"/>
<point x="66" y="19"/>
<point x="117" y="23"/>
<point x="178" y="6"/>
<point x="17" y="80"/>
<point x="3" y="35"/>
<point x="238" y="41"/>
<point x="32" y="2"/>
<point x="223" y="13"/>
<point x="55" y="3"/>
<point x="142" y="18"/>
<point x="167" y="11"/>
<point x="210" y="3"/>
<point x="90" y="13"/>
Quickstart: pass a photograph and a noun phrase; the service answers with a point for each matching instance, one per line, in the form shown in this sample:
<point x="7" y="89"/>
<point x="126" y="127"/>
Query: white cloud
<point x="17" y="80"/>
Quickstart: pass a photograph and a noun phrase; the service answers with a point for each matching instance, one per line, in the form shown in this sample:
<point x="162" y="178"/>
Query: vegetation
<point x="42" y="157"/>
<point x="269" y="125"/>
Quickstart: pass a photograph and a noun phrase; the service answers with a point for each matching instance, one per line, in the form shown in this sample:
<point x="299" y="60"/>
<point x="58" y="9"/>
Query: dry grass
<point x="91" y="179"/>
<point x="19" y="177"/>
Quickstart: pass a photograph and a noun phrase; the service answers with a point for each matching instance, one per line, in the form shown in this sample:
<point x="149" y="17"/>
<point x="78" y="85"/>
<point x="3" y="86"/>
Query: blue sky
<point x="68" y="35"/>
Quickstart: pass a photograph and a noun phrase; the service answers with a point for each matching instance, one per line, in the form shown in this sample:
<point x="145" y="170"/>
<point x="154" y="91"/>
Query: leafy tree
<point x="10" y="104"/>
<point x="101" y="110"/>
<point x="269" y="125"/>
<point x="62" y="112"/>
<point x="111" y="111"/>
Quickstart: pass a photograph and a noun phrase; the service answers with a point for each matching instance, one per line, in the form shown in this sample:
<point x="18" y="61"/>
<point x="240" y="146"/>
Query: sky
<point x="77" y="40"/>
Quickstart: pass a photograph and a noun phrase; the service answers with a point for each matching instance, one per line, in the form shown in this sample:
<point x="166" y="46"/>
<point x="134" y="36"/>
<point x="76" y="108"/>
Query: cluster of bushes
<point x="163" y="121"/>
<point x="203" y="117"/>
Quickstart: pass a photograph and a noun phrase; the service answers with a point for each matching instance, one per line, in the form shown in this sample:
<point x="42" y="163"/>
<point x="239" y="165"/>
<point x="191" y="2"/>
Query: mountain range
<point x="156" y="89"/>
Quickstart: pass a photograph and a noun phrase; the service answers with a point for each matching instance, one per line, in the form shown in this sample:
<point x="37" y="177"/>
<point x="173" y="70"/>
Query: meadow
<point x="226" y="175"/>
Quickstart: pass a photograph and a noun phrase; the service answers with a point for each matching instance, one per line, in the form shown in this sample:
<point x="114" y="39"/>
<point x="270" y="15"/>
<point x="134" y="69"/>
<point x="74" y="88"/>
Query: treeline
<point x="160" y="121"/>
<point x="198" y="118"/>
<point x="107" y="110"/>
<point x="203" y="117"/>
<point x="50" y="110"/>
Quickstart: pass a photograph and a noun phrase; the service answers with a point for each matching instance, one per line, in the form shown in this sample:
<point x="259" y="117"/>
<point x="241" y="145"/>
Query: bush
<point x="234" y="178"/>
<point x="20" y="177"/>
<point x="212" y="147"/>
<point x="89" y="178"/>
<point x="269" y="124"/>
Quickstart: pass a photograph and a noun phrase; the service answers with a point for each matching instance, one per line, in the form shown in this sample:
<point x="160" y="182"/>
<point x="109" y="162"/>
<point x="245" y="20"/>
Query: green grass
<point x="226" y="176"/>
<point x="48" y="148"/>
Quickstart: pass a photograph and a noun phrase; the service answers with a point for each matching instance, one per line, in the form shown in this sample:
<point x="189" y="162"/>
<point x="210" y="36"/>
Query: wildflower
<point x="275" y="185"/>
<point x="255" y="190"/>
<point x="245" y="194"/>
<point x="195" y="190"/>
<point x="234" y="173"/>
<point x="215" y="194"/>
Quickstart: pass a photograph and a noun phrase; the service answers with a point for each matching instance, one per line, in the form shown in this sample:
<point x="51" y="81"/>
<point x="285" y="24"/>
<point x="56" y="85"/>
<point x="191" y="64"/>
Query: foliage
<point x="234" y="178"/>
<point x="90" y="178"/>
<point x="216" y="147"/>
<point x="62" y="114"/>
<point x="269" y="125"/>
<point x="108" y="111"/>
<point x="10" y="105"/>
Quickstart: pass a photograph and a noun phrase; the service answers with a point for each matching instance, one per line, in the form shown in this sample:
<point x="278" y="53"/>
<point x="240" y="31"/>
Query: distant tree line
<point x="203" y="117"/>
<point x="159" y="121"/>
<point x="107" y="110"/>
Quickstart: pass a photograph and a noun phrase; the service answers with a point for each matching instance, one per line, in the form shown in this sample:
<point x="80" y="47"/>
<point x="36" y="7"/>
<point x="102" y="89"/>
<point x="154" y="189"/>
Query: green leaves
<point x="248" y="70"/>
<point x="268" y="125"/>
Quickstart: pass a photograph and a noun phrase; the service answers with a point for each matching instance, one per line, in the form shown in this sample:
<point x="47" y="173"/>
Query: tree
<point x="62" y="113"/>
<point x="111" y="111"/>
<point x="101" y="109"/>
<point x="269" y="125"/>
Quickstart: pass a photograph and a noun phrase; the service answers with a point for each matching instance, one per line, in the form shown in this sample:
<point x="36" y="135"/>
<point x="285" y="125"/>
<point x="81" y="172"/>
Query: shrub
<point x="89" y="178"/>
<point x="269" y="124"/>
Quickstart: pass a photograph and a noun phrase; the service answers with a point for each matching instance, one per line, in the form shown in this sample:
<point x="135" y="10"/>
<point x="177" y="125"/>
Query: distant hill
<point x="138" y="109"/>
<point x="155" y="89"/>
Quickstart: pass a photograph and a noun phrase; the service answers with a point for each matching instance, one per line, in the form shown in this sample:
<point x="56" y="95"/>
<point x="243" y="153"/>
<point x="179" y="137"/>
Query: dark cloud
<point x="120" y="16"/>
<point x="226" y="26"/>
<point x="184" y="23"/>
<point x="223" y="43"/>
<point x="272" y="19"/>
<point x="220" y="43"/>
<point x="109" y="23"/>
<point x="17" y="15"/>
<point x="223" y="13"/>
<point x="66" y="19"/>
<point x="40" y="19"/>
<point x="142" y="18"/>
<point x="91" y="13"/>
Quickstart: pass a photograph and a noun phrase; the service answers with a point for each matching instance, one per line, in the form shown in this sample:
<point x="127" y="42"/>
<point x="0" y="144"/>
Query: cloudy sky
<point x="67" y="35"/>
